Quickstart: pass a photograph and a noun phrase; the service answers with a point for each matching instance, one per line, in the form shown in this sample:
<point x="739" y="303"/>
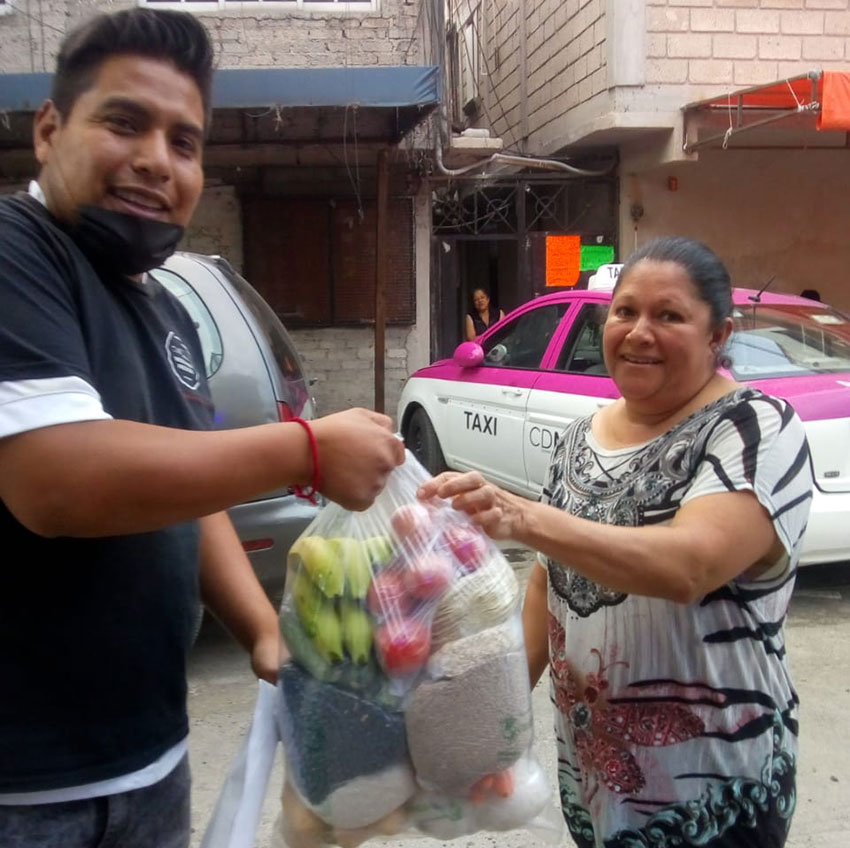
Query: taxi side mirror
<point x="468" y="355"/>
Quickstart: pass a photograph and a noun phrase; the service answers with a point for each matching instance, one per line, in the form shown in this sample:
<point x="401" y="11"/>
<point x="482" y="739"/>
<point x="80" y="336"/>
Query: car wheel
<point x="423" y="443"/>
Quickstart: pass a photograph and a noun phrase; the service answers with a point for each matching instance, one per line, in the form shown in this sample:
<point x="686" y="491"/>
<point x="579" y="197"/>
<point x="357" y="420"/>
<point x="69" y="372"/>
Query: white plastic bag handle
<point x="237" y="812"/>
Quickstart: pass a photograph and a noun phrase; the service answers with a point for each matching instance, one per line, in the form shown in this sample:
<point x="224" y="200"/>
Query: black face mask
<point x="123" y="244"/>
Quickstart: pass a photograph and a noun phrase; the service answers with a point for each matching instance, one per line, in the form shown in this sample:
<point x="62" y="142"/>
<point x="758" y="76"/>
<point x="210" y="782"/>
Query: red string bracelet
<point x="311" y="492"/>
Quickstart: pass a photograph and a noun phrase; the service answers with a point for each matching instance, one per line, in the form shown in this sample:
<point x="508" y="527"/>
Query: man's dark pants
<point x="157" y="816"/>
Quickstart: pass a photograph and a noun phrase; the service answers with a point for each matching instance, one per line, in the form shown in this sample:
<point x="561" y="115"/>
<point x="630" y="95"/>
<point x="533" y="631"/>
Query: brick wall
<point x="342" y="362"/>
<point x="679" y="51"/>
<point x="217" y="226"/>
<point x="718" y="44"/>
<point x="30" y="36"/>
<point x="565" y="60"/>
<point x="500" y="43"/>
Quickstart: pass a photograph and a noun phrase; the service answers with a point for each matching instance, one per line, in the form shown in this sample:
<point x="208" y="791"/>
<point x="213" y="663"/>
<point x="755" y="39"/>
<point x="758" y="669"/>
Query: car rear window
<point x="778" y="340"/>
<point x="282" y="349"/>
<point x="208" y="333"/>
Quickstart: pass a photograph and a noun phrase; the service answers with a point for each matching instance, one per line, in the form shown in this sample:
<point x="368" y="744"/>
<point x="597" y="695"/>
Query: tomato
<point x="403" y="645"/>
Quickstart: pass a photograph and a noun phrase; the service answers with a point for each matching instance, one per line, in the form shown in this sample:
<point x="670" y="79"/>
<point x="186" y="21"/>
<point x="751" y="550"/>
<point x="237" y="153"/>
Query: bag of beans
<point x="405" y="706"/>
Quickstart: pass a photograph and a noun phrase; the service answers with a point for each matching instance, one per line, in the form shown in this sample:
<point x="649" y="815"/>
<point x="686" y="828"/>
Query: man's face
<point x="132" y="143"/>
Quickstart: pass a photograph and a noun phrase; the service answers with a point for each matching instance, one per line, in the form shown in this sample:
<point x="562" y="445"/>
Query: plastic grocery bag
<point x="406" y="706"/>
<point x="237" y="812"/>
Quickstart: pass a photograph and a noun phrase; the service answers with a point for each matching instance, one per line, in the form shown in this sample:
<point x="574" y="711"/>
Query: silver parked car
<point x="256" y="377"/>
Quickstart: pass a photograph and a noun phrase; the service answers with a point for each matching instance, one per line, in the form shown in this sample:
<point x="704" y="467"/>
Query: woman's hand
<point x="499" y="513"/>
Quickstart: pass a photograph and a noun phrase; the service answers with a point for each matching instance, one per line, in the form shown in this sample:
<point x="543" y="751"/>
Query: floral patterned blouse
<point x="677" y="723"/>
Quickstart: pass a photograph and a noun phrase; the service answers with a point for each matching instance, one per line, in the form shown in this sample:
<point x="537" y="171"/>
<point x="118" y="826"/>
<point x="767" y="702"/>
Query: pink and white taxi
<point x="497" y="405"/>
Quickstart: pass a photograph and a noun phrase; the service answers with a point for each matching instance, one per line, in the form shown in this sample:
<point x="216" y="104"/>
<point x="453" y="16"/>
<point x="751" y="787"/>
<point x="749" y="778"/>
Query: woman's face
<point x="480" y="300"/>
<point x="659" y="343"/>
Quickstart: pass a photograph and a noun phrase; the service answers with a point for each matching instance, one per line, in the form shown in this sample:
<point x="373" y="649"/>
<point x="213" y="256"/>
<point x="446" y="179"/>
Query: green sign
<point x="594" y="255"/>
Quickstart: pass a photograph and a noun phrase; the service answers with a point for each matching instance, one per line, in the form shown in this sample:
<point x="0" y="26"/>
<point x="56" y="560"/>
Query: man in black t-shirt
<point x="112" y="486"/>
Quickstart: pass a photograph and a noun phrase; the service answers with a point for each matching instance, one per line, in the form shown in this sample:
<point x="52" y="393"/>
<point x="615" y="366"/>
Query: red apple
<point x="387" y="595"/>
<point x="469" y="547"/>
<point x="411" y="520"/>
<point x="428" y="576"/>
<point x="403" y="645"/>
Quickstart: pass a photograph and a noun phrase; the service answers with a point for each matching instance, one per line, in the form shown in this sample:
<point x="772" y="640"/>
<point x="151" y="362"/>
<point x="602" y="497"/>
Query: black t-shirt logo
<point x="180" y="359"/>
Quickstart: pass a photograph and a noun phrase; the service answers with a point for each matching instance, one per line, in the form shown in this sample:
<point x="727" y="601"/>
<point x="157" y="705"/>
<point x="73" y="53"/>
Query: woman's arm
<point x="470" y="329"/>
<point x="711" y="540"/>
<point x="535" y="615"/>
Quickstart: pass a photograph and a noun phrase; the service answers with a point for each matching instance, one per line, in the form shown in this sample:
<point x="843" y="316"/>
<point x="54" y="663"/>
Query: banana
<point x="318" y="557"/>
<point x="380" y="550"/>
<point x="354" y="561"/>
<point x="308" y="601"/>
<point x="303" y="651"/>
<point x="356" y="632"/>
<point x="328" y="635"/>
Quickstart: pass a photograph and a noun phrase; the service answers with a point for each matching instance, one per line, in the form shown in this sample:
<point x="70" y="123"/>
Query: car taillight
<point x="254" y="545"/>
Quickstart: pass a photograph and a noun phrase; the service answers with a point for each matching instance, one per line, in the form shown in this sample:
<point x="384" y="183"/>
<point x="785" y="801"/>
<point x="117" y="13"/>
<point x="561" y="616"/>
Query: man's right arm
<point x="99" y="478"/>
<point x="69" y="469"/>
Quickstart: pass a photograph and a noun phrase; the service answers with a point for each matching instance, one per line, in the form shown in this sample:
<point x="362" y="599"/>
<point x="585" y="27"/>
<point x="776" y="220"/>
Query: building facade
<point x="606" y="96"/>
<point x="561" y="78"/>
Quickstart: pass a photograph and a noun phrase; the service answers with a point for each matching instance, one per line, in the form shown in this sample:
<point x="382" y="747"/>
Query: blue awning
<point x="396" y="86"/>
<point x="389" y="100"/>
<point x="23" y="92"/>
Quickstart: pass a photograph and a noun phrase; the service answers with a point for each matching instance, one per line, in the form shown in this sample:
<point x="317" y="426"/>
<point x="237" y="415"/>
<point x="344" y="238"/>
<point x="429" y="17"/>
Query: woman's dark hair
<point x="176" y="37"/>
<point x="703" y="266"/>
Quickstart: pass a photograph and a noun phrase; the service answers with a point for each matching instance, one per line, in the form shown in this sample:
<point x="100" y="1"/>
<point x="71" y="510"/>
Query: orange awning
<point x="824" y="94"/>
<point x="835" y="101"/>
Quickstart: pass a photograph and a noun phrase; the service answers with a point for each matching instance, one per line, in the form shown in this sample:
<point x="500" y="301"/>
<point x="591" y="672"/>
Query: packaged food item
<point x="405" y="706"/>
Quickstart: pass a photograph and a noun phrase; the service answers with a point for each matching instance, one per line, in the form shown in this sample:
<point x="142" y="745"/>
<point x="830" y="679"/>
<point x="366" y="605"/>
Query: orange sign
<point x="563" y="260"/>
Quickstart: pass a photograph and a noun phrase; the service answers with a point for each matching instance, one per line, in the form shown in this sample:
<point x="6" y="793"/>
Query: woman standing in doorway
<point x="483" y="314"/>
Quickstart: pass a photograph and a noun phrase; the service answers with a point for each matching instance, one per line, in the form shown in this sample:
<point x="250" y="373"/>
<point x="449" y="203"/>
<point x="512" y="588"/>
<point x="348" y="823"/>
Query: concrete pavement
<point x="222" y="693"/>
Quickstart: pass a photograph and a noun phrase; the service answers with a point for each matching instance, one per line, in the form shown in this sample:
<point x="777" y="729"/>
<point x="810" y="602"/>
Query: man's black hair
<point x="176" y="37"/>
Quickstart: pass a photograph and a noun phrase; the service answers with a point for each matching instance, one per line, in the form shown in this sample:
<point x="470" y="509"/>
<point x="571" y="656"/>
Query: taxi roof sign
<point x="605" y="276"/>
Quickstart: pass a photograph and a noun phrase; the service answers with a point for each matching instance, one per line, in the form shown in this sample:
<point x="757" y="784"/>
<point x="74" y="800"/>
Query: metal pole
<point x="382" y="227"/>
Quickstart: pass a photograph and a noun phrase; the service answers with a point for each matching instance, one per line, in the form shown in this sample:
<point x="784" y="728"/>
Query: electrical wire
<point x="43" y="39"/>
<point x="470" y="22"/>
<point x="492" y="86"/>
<point x="36" y="18"/>
<point x="422" y="5"/>
<point x="29" y="42"/>
<point x="355" y="184"/>
<point x="509" y="157"/>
